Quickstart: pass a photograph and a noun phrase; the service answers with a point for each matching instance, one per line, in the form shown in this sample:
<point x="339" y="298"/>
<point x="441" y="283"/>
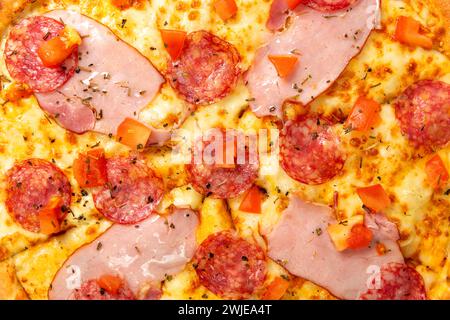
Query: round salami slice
<point x="230" y="266"/>
<point x="397" y="282"/>
<point x="132" y="193"/>
<point x="310" y="151"/>
<point x="207" y="69"/>
<point x="210" y="178"/>
<point x="22" y="59"/>
<point x="91" y="290"/>
<point x="423" y="111"/>
<point x="329" y="5"/>
<point x="30" y="186"/>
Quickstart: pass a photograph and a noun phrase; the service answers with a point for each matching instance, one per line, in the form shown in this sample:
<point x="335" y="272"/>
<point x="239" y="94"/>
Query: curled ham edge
<point x="158" y="136"/>
<point x="278" y="15"/>
<point x="381" y="227"/>
<point x="148" y="284"/>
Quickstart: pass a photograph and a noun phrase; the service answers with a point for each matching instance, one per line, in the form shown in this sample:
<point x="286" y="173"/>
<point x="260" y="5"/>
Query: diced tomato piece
<point x="276" y="289"/>
<point x="173" y="42"/>
<point x="122" y="4"/>
<point x="292" y="4"/>
<point x="55" y="51"/>
<point x="363" y="115"/>
<point x="134" y="134"/>
<point x="226" y="9"/>
<point x="408" y="32"/>
<point x="17" y="92"/>
<point x="360" y="237"/>
<point x="252" y="201"/>
<point x="90" y="169"/>
<point x="437" y="174"/>
<point x="48" y="216"/>
<point x="285" y="64"/>
<point x="374" y="197"/>
<point x="110" y="283"/>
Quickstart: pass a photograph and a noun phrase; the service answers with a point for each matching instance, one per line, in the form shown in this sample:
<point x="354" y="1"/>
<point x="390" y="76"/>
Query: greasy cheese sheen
<point x="382" y="70"/>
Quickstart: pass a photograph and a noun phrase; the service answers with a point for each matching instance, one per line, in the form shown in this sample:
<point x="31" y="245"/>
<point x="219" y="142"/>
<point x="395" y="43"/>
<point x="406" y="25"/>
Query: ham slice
<point x="114" y="80"/>
<point x="279" y="10"/>
<point x="324" y="42"/>
<point x="300" y="242"/>
<point x="141" y="254"/>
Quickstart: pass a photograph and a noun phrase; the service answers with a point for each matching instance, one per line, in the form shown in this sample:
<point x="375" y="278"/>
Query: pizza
<point x="224" y="149"/>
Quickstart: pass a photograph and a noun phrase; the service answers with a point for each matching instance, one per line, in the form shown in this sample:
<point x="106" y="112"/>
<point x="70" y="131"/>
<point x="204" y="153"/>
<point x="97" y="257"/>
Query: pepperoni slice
<point x="30" y="186"/>
<point x="230" y="266"/>
<point x="91" y="290"/>
<point x="329" y="5"/>
<point x="423" y="111"/>
<point x="212" y="179"/>
<point x="132" y="193"/>
<point x="310" y="151"/>
<point x="23" y="62"/>
<point x="398" y="282"/>
<point x="207" y="69"/>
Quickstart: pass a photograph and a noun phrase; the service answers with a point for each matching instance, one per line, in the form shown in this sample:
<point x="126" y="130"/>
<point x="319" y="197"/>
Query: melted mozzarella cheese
<point x="37" y="266"/>
<point x="10" y="288"/>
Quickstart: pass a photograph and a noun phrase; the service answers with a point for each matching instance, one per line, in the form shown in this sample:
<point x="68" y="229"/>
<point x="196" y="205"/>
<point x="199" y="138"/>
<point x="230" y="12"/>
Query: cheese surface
<point x="382" y="70"/>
